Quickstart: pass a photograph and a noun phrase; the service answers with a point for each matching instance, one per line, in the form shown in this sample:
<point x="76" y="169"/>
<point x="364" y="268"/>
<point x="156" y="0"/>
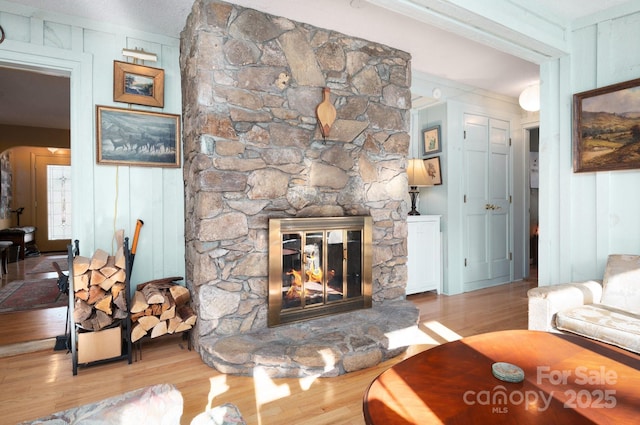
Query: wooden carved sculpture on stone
<point x="326" y="112"/>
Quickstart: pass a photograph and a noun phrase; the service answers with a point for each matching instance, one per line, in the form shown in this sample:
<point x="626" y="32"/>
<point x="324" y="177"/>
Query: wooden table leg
<point x="4" y="256"/>
<point x="5" y="260"/>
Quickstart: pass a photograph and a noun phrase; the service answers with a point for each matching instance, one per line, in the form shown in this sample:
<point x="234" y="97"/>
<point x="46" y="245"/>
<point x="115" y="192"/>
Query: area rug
<point x="22" y="295"/>
<point x="45" y="265"/>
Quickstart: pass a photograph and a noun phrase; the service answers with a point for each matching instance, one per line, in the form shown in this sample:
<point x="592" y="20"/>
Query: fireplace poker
<point x="134" y="244"/>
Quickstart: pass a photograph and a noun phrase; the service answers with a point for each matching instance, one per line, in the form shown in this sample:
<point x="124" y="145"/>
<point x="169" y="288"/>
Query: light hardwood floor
<point x="40" y="383"/>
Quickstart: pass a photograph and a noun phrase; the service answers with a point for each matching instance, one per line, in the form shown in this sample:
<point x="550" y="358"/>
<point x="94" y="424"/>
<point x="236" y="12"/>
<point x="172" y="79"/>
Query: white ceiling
<point x="434" y="51"/>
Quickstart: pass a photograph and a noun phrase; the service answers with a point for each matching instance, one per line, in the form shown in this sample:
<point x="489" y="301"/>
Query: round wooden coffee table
<point x="568" y="380"/>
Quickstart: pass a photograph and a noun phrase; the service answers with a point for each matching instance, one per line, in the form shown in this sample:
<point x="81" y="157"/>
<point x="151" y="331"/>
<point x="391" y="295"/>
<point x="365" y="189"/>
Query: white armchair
<point x="546" y="301"/>
<point x="607" y="310"/>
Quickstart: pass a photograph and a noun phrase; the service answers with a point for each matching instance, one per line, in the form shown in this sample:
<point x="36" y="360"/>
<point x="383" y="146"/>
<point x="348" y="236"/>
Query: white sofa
<point x="607" y="310"/>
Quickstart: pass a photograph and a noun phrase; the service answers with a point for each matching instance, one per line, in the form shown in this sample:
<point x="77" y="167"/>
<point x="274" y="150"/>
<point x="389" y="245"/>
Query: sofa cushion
<point x="621" y="283"/>
<point x="602" y="323"/>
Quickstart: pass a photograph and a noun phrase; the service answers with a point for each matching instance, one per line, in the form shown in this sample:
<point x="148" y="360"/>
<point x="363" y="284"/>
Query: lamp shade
<point x="417" y="173"/>
<point x="530" y="98"/>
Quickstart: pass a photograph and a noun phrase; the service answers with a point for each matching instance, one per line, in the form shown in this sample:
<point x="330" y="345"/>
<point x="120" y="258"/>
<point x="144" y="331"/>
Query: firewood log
<point x="95" y="293"/>
<point x="152" y="294"/>
<point x="165" y="282"/>
<point x="139" y="303"/>
<point x="120" y="259"/>
<point x="107" y="284"/>
<point x="174" y="322"/>
<point x="110" y="267"/>
<point x="80" y="265"/>
<point x="183" y="327"/>
<point x="159" y="329"/>
<point x="88" y="323"/>
<point x="119" y="300"/>
<point x="148" y="322"/>
<point x="168" y="308"/>
<point x="119" y="313"/>
<point x="180" y="294"/>
<point x="136" y="316"/>
<point x="96" y="277"/>
<point x="81" y="311"/>
<point x="116" y="289"/>
<point x="168" y="314"/>
<point x="137" y="332"/>
<point x="99" y="259"/>
<point x="102" y="320"/>
<point x="187" y="314"/>
<point x="82" y="281"/>
<point x="82" y="294"/>
<point x="168" y="301"/>
<point x="104" y="304"/>
<point x="119" y="237"/>
<point x="120" y="275"/>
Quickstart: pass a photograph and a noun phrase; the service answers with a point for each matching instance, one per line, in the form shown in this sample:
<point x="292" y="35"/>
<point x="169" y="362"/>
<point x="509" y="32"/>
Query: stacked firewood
<point x="161" y="307"/>
<point x="100" y="290"/>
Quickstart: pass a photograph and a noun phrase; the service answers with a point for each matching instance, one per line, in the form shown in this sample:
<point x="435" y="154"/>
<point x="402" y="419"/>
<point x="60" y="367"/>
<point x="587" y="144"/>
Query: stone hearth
<point x="253" y="151"/>
<point x="328" y="346"/>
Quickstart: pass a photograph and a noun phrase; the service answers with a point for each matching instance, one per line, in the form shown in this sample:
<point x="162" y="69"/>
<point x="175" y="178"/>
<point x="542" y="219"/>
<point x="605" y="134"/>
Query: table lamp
<point x="417" y="174"/>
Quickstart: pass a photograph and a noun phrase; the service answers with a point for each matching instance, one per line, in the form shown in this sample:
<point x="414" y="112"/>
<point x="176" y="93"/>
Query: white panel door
<point x="486" y="215"/>
<point x="476" y="224"/>
<point x="499" y="201"/>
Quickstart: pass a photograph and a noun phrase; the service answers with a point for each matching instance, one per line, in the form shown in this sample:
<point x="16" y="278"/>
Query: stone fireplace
<point x="253" y="152"/>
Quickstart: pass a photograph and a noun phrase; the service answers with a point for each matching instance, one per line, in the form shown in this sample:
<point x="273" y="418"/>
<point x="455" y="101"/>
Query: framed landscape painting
<point x="142" y="85"/>
<point x="142" y="138"/>
<point x="606" y="128"/>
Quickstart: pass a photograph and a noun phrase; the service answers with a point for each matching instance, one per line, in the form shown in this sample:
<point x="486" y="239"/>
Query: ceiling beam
<point x="502" y="25"/>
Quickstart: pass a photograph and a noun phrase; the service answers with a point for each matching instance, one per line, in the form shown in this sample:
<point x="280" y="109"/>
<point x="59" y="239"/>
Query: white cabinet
<point x="424" y="254"/>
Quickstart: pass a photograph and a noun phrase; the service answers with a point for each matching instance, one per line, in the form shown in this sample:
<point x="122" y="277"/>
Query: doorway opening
<point x="35" y="126"/>
<point x="34" y="136"/>
<point x="534" y="186"/>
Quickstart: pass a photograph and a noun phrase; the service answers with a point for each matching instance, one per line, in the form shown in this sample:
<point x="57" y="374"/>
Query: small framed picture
<point x="431" y="142"/>
<point x="432" y="166"/>
<point x="142" y="85"/>
<point x="139" y="138"/>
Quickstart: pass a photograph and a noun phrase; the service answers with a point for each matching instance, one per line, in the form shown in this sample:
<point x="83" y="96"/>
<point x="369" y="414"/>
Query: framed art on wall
<point x="142" y="85"/>
<point x="606" y="128"/>
<point x="143" y="138"/>
<point x="431" y="142"/>
<point x="434" y="174"/>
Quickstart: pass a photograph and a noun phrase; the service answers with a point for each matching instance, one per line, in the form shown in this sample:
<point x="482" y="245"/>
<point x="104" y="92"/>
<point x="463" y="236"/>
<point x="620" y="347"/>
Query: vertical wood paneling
<point x="173" y="224"/>
<point x="156" y="232"/>
<point x="582" y="195"/>
<point x="548" y="255"/>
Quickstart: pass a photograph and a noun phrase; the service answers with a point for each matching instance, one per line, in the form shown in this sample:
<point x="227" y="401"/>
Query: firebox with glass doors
<point x="318" y="266"/>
